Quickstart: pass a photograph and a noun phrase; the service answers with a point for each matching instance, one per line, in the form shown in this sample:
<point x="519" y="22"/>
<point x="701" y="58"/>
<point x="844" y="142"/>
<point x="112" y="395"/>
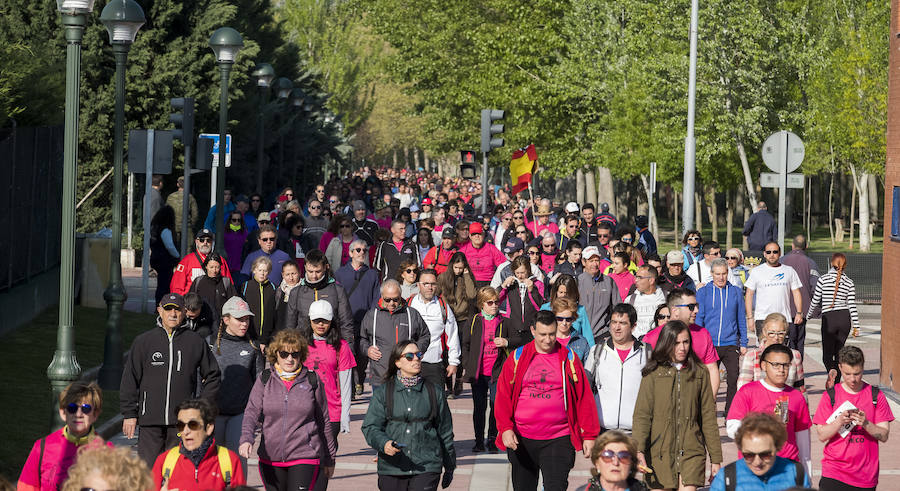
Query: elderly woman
<point x="51" y="456"/>
<point x="289" y="403"/>
<point x="614" y="455"/>
<point x="737" y="272"/>
<point x="774" y="331"/>
<point x="409" y="423"/>
<point x="108" y="468"/>
<point x="197" y="463"/>
<point x="408" y="277"/>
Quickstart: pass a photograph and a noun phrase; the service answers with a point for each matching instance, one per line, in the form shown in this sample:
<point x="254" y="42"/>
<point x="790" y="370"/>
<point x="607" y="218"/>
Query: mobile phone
<point x="398" y="445"/>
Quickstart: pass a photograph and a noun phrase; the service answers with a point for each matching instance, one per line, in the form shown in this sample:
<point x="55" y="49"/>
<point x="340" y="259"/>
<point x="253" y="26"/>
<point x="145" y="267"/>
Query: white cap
<point x="590" y="252"/>
<point x="321" y="309"/>
<point x="236" y="307"/>
<point x="572" y="207"/>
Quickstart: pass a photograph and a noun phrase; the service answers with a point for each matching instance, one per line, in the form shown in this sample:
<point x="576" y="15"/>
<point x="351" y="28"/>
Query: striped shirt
<point x="844" y="300"/>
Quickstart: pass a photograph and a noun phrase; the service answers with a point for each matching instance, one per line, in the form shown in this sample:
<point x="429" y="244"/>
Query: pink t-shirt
<point x="701" y="343"/>
<point x="756" y="398"/>
<point x="853" y="460"/>
<point x="623" y="280"/>
<point x="563" y="341"/>
<point x="488" y="348"/>
<point x="623" y="353"/>
<point x="541" y="413"/>
<point x="323" y="360"/>
<point x="345" y="252"/>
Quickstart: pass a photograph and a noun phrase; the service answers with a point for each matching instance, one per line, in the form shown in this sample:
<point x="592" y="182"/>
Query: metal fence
<point x="31" y="171"/>
<point x="863" y="269"/>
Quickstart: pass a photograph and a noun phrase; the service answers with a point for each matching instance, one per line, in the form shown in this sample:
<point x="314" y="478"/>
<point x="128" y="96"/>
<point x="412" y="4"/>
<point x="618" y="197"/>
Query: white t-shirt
<point x="646" y="306"/>
<point x="773" y="289"/>
<point x="700" y="272"/>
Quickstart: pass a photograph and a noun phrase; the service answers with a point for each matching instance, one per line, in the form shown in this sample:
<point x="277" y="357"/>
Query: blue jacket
<point x="582" y="325"/>
<point x="782" y="475"/>
<point x="366" y="291"/>
<point x="722" y="314"/>
<point x="210" y="222"/>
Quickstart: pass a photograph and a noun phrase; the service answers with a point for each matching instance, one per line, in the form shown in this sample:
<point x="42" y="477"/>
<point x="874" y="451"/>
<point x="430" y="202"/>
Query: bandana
<point x="287" y="289"/>
<point x="196" y="455"/>
<point x="234" y="228"/>
<point x="409" y="381"/>
<point x="487" y="316"/>
<point x="288" y="375"/>
<point x="79" y="440"/>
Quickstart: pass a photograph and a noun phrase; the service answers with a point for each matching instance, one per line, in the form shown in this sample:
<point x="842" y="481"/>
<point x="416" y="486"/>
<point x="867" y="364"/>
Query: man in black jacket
<point x="162" y="371"/>
<point x="392" y="252"/>
<point x="318" y="284"/>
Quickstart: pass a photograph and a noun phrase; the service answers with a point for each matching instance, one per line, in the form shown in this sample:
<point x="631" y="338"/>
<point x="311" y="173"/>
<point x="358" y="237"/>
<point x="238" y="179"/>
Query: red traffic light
<point x="467" y="156"/>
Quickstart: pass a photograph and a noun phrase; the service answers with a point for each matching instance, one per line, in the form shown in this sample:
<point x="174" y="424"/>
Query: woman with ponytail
<point x="835" y="299"/>
<point x="239" y="362"/>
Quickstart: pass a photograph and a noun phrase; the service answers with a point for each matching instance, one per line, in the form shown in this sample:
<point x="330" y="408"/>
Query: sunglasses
<point x="171" y="307"/>
<point x="623" y="456"/>
<point x="413" y="356"/>
<point x="345" y="225"/>
<point x="603" y="236"/>
<point x="533" y="253"/>
<point x="491" y="302"/>
<point x="359" y="249"/>
<point x="518" y="217"/>
<point x="289" y="195"/>
<point x="693" y="238"/>
<point x="563" y="319"/>
<point x="293" y="354"/>
<point x="751" y="456"/>
<point x="732" y="258"/>
<point x="332" y="201"/>
<point x="689" y="306"/>
<point x="73" y="408"/>
<point x="235" y="220"/>
<point x="627" y="240"/>
<point x="204" y="240"/>
<point x="410" y="270"/>
<point x="254" y="200"/>
<point x="264" y="222"/>
<point x="547" y="245"/>
<point x="776" y="251"/>
<point x="715" y="254"/>
<point x="267" y="239"/>
<point x="391" y="300"/>
<point x="506" y="219"/>
<point x="192" y="425"/>
<point x="662" y="317"/>
<point x="521" y="232"/>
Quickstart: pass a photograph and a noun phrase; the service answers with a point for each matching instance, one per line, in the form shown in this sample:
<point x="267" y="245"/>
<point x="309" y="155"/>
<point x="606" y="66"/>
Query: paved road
<point x="356" y="471"/>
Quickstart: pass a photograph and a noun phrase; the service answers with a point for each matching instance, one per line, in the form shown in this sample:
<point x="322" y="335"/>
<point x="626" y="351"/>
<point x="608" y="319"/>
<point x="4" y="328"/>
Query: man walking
<point x="701" y="271"/>
<point x="645" y="298"/>
<point x="317" y="284"/>
<point x="598" y="292"/>
<point x="444" y="335"/>
<point x="483" y="258"/>
<point x="191" y="265"/>
<point x="774" y="286"/>
<point x="808" y="273"/>
<point x="267" y="238"/>
<point x="364" y="227"/>
<point x="394" y="251"/>
<point x="760" y="228"/>
<point x="164" y="367"/>
<point x="545" y="410"/>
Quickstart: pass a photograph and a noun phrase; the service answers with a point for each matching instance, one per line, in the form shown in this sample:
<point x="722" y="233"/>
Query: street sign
<point x="161" y="153"/>
<point x="770" y="180"/>
<point x="215" y="150"/>
<point x="779" y="144"/>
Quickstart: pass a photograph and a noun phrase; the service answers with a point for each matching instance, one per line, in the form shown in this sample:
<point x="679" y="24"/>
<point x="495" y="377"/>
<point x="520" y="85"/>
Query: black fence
<point x="31" y="172"/>
<point x="863" y="269"/>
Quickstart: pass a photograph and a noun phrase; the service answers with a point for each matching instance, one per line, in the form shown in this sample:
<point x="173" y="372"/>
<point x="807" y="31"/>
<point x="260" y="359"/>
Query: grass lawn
<point x="24" y="356"/>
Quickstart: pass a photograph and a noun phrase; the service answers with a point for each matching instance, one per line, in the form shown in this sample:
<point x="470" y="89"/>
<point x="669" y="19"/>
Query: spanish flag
<point x="522" y="168"/>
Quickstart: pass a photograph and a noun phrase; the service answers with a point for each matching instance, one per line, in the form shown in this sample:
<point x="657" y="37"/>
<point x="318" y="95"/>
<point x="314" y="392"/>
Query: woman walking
<point x="164" y="255"/>
<point x="212" y="287"/>
<point x="235" y="236"/>
<point x="338" y="249"/>
<point x="835" y="298"/>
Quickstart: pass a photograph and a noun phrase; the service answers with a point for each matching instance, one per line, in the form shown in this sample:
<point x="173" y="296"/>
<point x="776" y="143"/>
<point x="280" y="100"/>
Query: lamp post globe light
<point x="264" y="73"/>
<point x="283" y="87"/>
<point x="123" y="19"/>
<point x="64" y="367"/>
<point x="225" y="43"/>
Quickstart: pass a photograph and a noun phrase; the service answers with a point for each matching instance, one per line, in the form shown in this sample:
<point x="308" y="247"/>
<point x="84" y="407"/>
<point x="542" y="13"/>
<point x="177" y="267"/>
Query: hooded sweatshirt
<point x="325" y="289"/>
<point x="722" y="314"/>
<point x="384" y="328"/>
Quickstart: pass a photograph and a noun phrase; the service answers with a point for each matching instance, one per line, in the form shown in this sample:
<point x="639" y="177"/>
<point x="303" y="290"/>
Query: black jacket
<point x="214" y="292"/>
<point x="471" y="337"/>
<point x="327" y="289"/>
<point x="365" y="229"/>
<point x="261" y="297"/>
<point x="161" y="372"/>
<point x="388" y="258"/>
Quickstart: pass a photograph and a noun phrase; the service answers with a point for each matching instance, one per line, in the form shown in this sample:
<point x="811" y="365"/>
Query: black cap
<point x="204" y="233"/>
<point x="172" y="299"/>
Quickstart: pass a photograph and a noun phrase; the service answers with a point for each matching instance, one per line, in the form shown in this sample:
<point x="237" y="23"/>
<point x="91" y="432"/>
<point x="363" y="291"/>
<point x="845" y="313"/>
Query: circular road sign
<point x="780" y="144"/>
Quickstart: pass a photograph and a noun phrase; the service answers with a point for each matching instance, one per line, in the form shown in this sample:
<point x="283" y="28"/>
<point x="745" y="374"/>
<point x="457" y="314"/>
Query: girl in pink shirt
<point x="620" y="274"/>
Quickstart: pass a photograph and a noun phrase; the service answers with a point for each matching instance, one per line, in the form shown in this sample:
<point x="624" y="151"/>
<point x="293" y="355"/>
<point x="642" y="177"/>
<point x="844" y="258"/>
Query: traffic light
<point x="467" y="164"/>
<point x="184" y="120"/>
<point x="489" y="129"/>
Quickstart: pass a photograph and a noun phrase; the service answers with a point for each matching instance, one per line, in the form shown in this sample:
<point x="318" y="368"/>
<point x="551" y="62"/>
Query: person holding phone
<point x="409" y="424"/>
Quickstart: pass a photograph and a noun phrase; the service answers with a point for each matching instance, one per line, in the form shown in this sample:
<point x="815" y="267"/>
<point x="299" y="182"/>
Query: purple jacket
<point x="293" y="421"/>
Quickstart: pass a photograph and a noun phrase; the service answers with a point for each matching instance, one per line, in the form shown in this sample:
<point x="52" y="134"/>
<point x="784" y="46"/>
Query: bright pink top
<point x="552" y="227"/>
<point x="563" y="341"/>
<point x="853" y="460"/>
<point x="541" y="412"/>
<point x="327" y="364"/>
<point x="59" y="455"/>
<point x="623" y="353"/>
<point x="701" y="343"/>
<point x="756" y="398"/>
<point x="345" y="252"/>
<point x="623" y="280"/>
<point x="326" y="239"/>
<point x="488" y="348"/>
<point x="483" y="261"/>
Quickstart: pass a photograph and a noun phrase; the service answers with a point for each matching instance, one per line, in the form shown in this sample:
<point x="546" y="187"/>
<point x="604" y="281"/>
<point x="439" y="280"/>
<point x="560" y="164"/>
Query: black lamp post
<point x="264" y="73"/>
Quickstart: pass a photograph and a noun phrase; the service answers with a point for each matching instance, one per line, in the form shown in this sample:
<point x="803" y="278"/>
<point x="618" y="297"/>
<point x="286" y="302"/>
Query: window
<point x="895" y="215"/>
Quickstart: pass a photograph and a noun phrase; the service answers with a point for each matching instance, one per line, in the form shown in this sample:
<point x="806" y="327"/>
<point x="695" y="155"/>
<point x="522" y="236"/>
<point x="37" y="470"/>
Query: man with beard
<point x="674" y="275"/>
<point x="191" y="266"/>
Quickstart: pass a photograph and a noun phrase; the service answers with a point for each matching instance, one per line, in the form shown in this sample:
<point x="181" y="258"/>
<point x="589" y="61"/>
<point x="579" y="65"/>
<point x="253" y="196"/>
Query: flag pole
<point x="533" y="212"/>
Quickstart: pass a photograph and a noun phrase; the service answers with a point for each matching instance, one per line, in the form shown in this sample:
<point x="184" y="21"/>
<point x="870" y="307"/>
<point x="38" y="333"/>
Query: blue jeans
<point x="228" y="434"/>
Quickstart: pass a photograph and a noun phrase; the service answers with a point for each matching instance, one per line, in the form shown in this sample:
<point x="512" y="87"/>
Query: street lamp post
<point x="297" y="97"/>
<point x="123" y="19"/>
<point x="283" y="87"/>
<point x="225" y="43"/>
<point x="264" y="73"/>
<point x="690" y="144"/>
<point x="64" y="367"/>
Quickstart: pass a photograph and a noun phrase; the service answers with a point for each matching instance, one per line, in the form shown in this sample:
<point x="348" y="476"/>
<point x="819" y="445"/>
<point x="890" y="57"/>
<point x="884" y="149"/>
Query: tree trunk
<point x="831" y="210"/>
<point x="394" y="154"/>
<point x="605" y="191"/>
<point x="416" y="162"/>
<point x="748" y="179"/>
<point x="861" y="184"/>
<point x="579" y="186"/>
<point x="729" y="219"/>
<point x="590" y="188"/>
<point x="698" y="212"/>
<point x="712" y="211"/>
<point x="873" y="198"/>
<point x="852" y="204"/>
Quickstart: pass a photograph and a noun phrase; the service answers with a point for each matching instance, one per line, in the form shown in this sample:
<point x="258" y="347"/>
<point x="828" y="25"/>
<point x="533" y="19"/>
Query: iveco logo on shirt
<point x="156" y="359"/>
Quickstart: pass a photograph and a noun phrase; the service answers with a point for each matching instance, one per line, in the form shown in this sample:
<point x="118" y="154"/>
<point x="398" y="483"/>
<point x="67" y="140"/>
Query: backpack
<point x="311" y="377"/>
<point x="731" y="475"/>
<point x="443" y="305"/>
<point x="569" y="355"/>
<point x="875" y="392"/>
<point x="221" y="453"/>
<point x="389" y="401"/>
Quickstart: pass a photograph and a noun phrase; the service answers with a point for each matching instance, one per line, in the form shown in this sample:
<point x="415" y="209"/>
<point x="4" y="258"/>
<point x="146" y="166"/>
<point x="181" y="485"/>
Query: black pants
<point x="483" y="393"/>
<point x="730" y="356"/>
<point x="835" y="329"/>
<point x="299" y="476"/>
<point x="434" y="373"/>
<point x="797" y="336"/>
<point x="322" y="479"/>
<point x="164" y="273"/>
<point x="362" y="361"/>
<point x="154" y="440"/>
<point x="552" y="458"/>
<point x="427" y="481"/>
<point x="829" y="484"/>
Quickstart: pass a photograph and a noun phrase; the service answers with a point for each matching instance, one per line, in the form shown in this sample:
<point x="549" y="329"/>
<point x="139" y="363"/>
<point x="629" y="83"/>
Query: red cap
<point x="476" y="228"/>
<point x="426" y="201"/>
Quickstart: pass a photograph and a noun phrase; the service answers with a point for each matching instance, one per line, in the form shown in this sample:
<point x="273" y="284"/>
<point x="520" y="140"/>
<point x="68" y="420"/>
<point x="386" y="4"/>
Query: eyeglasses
<point x="359" y="249"/>
<point x="491" y="302"/>
<point x="235" y="220"/>
<point x="192" y="425"/>
<point x="775" y="251"/>
<point x="564" y="319"/>
<point x="690" y="239"/>
<point x="391" y="300"/>
<point x="533" y="253"/>
<point x="689" y="306"/>
<point x="776" y="334"/>
<point x="751" y="456"/>
<point x="204" y="240"/>
<point x="732" y="258"/>
<point x="285" y="354"/>
<point x="778" y="366"/>
<point x="73" y="408"/>
<point x="315" y="207"/>
<point x="623" y="456"/>
<point x="171" y="307"/>
<point x="267" y="239"/>
<point x="662" y="317"/>
<point x="412" y="356"/>
<point x="410" y="270"/>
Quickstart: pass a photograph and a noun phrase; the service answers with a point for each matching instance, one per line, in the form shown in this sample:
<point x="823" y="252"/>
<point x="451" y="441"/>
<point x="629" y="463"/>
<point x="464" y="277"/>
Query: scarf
<point x="196" y="455"/>
<point x="409" y="382"/>
<point x="317" y="285"/>
<point x="234" y="228"/>
<point x="287" y="289"/>
<point x="288" y="375"/>
<point x="79" y="440"/>
<point x="487" y="316"/>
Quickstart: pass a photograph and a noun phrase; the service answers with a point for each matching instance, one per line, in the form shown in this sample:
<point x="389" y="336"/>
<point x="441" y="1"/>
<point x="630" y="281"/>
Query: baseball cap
<point x="204" y="233"/>
<point x="321" y="309"/>
<point x="236" y="307"/>
<point x="476" y="228"/>
<point x="426" y="201"/>
<point x="264" y="217"/>
<point x="513" y="246"/>
<point x="572" y="207"/>
<point x="675" y="257"/>
<point x="414" y="208"/>
<point x="589" y="252"/>
<point x="359" y="205"/>
<point x="641" y="221"/>
<point x="448" y="233"/>
<point x="172" y="299"/>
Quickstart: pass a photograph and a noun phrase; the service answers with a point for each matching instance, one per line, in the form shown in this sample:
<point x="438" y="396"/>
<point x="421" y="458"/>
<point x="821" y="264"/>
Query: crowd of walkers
<point x="572" y="331"/>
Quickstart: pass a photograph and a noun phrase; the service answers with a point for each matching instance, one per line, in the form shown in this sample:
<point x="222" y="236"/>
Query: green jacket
<point x="429" y="444"/>
<point x="675" y="425"/>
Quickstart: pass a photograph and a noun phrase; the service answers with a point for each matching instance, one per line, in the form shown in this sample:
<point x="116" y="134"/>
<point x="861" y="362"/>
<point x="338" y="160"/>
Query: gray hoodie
<point x="240" y="362"/>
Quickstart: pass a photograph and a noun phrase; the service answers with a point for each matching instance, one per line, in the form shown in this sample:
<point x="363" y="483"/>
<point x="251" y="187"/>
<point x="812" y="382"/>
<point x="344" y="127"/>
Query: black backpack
<point x="389" y="401"/>
<point x="311" y="377"/>
<point x="875" y="392"/>
<point x="731" y="476"/>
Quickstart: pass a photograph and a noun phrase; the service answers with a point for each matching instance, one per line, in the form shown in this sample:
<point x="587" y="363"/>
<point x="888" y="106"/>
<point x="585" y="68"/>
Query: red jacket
<point x="578" y="398"/>
<point x="438" y="258"/>
<point x="208" y="476"/>
<point x="190" y="267"/>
